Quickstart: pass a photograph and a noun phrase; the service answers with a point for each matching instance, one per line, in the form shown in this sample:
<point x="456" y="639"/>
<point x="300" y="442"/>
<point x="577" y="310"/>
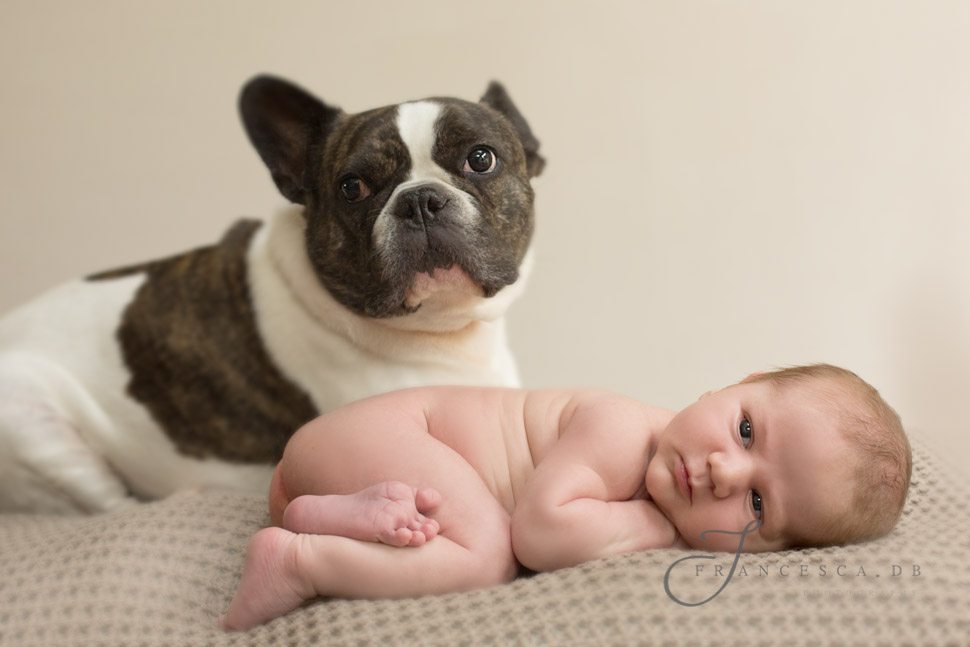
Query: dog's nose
<point x="421" y="205"/>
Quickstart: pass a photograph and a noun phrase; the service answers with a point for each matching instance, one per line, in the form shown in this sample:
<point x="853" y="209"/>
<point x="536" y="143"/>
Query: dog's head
<point x="415" y="205"/>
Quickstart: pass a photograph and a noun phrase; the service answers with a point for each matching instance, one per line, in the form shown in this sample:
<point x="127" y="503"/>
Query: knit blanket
<point x="160" y="573"/>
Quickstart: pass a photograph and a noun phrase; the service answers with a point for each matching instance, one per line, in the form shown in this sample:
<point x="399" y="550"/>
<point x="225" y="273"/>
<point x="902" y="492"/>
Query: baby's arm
<point x="577" y="505"/>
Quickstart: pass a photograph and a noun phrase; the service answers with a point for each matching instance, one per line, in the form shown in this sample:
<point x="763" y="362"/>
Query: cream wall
<point x="731" y="186"/>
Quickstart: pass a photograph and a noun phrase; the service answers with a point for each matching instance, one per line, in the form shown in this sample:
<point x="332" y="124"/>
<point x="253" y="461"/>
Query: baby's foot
<point x="395" y="513"/>
<point x="269" y="587"/>
<point x="391" y="512"/>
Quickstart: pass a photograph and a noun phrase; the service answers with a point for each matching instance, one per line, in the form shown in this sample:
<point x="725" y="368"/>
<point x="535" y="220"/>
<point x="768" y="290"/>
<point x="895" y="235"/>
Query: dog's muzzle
<point x="423" y="206"/>
<point x="428" y="227"/>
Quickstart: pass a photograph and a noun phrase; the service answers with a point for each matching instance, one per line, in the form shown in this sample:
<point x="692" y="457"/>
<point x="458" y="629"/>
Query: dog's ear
<point x="496" y="97"/>
<point x="285" y="122"/>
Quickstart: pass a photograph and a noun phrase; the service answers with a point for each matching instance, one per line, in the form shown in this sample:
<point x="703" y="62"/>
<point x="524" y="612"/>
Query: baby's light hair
<point x="883" y="458"/>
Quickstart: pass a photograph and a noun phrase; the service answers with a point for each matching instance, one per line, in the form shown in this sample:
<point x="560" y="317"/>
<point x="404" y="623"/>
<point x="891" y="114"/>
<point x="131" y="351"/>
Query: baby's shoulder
<point x="610" y="412"/>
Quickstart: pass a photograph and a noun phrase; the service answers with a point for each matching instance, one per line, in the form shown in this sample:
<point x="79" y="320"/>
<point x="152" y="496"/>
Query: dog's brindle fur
<point x="189" y="338"/>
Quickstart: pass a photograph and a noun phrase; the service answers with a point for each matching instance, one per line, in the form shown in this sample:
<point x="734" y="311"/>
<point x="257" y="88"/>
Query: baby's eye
<point x="744" y="429"/>
<point x="756" y="503"/>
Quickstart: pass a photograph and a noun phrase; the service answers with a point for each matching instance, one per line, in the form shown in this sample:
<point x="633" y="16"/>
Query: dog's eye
<point x="354" y="189"/>
<point x="481" y="160"/>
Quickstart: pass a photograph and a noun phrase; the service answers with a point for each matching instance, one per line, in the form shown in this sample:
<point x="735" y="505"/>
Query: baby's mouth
<point x="683" y="480"/>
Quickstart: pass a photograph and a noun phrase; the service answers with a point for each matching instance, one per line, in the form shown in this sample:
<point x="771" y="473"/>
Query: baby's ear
<point x="705" y="394"/>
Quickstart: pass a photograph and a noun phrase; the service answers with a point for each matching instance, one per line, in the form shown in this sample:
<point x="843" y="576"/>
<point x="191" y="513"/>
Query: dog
<point x="408" y="237"/>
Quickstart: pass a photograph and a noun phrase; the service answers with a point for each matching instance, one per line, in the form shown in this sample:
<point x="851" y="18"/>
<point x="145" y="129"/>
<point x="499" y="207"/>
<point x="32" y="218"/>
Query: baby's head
<point x="814" y="452"/>
<point x="879" y="453"/>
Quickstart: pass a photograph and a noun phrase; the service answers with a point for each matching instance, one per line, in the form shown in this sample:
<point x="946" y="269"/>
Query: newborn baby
<point x="432" y="490"/>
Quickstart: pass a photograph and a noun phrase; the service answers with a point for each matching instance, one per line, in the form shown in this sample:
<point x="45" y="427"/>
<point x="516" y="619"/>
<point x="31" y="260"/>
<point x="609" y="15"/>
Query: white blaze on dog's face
<point x="413" y="212"/>
<point x="424" y="195"/>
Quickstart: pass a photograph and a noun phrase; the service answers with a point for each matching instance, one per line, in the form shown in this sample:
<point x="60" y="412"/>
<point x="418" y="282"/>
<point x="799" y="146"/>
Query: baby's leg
<point x="284" y="569"/>
<point x="391" y="512"/>
<point x="344" y="453"/>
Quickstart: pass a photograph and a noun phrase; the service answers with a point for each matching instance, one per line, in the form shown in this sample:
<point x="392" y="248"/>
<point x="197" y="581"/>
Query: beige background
<point x="731" y="186"/>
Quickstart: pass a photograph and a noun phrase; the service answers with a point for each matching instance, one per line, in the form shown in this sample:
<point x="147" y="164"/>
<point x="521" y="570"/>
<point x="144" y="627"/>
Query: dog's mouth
<point x="447" y="284"/>
<point x="439" y="266"/>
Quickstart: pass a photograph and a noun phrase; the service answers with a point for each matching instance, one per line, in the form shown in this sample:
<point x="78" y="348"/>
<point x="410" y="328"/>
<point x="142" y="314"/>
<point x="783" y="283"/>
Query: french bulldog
<point x="407" y="239"/>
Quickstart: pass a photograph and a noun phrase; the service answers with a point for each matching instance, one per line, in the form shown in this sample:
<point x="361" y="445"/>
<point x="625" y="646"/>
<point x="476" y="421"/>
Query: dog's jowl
<point x="407" y="239"/>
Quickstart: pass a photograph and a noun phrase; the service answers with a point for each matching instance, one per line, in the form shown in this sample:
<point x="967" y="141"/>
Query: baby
<point x="432" y="490"/>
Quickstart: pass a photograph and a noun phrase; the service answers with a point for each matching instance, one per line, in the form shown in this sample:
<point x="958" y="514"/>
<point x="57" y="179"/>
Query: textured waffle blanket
<point x="160" y="573"/>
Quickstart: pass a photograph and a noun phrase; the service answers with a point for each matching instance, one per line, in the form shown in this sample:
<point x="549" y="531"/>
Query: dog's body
<point x="193" y="371"/>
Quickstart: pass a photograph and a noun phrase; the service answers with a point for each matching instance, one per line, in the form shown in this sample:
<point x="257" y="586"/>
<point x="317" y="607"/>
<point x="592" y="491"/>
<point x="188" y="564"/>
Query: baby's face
<point x="750" y="451"/>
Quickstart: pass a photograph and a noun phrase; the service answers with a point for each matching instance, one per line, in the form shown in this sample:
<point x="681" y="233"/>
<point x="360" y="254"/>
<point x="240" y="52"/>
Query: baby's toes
<point x="417" y="539"/>
<point x="397" y="537"/>
<point x="417" y="522"/>
<point x="425" y="526"/>
<point x="427" y="499"/>
<point x="430" y="529"/>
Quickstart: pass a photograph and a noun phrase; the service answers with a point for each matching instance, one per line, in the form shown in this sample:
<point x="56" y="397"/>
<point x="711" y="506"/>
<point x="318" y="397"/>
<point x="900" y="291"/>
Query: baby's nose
<point x="728" y="474"/>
